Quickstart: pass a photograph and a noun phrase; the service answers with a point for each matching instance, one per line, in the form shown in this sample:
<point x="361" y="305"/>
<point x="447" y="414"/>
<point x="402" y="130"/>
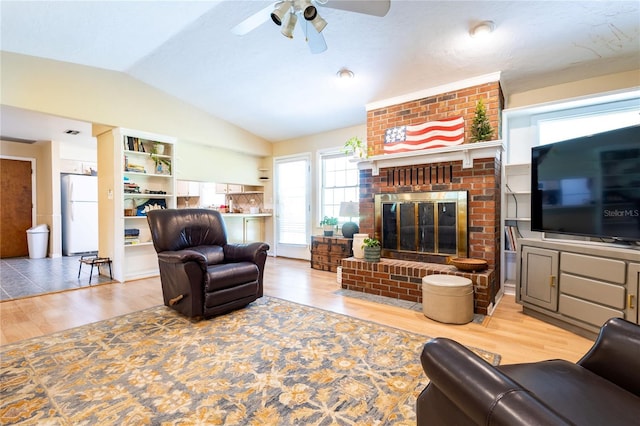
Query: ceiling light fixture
<point x="309" y="11"/>
<point x="279" y="13"/>
<point x="292" y="8"/>
<point x="482" y="29"/>
<point x="319" y="23"/>
<point x="345" y="73"/>
<point x="287" y="30"/>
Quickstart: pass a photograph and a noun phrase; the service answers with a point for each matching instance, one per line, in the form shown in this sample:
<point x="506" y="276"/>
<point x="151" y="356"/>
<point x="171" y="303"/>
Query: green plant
<point x="481" y="128"/>
<point x="329" y="221"/>
<point x="157" y="159"/>
<point x="370" y="242"/>
<point x="356" y="146"/>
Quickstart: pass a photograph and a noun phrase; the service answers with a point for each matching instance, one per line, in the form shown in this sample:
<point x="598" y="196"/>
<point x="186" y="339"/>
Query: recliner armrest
<point x="615" y="355"/>
<point x="483" y="393"/>
<point x="250" y="252"/>
<point x="182" y="256"/>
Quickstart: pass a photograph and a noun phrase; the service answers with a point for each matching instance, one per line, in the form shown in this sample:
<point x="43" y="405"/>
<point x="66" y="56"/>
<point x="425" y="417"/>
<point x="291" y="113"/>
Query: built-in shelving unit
<point x="141" y="178"/>
<point x="515" y="218"/>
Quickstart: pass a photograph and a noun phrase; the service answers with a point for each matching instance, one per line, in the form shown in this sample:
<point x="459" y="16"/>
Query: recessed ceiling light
<point x="345" y="73"/>
<point x="482" y="29"/>
<point x="72" y="132"/>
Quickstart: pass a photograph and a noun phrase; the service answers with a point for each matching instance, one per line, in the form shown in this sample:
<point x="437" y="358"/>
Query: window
<point x="339" y="181"/>
<point x="583" y="121"/>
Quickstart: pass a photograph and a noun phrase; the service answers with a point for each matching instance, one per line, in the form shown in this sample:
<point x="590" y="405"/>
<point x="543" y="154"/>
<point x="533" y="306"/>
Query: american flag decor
<point x="433" y="134"/>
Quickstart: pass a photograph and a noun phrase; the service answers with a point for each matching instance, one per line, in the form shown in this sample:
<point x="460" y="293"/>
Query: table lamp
<point x="349" y="209"/>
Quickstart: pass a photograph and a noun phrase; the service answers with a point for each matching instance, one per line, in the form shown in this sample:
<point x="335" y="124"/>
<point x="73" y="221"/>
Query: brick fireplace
<point x="474" y="169"/>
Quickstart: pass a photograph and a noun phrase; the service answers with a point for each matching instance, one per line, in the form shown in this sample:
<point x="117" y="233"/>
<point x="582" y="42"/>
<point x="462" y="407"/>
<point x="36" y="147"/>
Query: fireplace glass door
<point x="421" y="223"/>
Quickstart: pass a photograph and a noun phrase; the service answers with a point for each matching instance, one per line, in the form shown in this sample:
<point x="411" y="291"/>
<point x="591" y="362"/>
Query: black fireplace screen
<point x="425" y="222"/>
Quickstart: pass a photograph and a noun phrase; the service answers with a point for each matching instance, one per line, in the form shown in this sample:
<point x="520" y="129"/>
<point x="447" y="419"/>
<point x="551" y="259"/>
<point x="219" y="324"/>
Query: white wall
<point x="211" y="164"/>
<point x="114" y="99"/>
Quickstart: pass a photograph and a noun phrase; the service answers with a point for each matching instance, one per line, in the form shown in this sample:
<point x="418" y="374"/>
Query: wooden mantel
<point x="466" y="153"/>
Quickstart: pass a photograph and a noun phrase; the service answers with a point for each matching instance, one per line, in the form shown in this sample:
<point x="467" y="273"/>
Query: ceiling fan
<point x="287" y="13"/>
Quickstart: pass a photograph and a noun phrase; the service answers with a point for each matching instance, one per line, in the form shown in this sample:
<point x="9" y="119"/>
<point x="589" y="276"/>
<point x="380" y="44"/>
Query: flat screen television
<point x="588" y="186"/>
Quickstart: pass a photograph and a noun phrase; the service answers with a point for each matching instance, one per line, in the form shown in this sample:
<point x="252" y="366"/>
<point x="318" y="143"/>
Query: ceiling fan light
<point x="310" y="12"/>
<point x="319" y="23"/>
<point x="287" y="30"/>
<point x="279" y="13"/>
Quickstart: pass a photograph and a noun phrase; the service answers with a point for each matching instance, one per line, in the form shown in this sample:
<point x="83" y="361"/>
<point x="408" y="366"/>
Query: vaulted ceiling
<point x="276" y="88"/>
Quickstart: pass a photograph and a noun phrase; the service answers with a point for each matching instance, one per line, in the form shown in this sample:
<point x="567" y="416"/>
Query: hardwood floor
<point x="515" y="336"/>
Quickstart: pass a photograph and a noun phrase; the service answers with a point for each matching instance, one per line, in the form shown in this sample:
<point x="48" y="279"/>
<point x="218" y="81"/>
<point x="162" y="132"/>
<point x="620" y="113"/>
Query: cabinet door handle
<point x="630" y="303"/>
<point x="552" y="281"/>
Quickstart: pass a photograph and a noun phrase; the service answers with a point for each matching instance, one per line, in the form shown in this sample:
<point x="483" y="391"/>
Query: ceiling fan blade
<point x="314" y="39"/>
<point x="253" y="21"/>
<point x="368" y="7"/>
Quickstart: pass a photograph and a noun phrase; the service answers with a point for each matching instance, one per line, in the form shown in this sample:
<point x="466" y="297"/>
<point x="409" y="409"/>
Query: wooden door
<point x="15" y="207"/>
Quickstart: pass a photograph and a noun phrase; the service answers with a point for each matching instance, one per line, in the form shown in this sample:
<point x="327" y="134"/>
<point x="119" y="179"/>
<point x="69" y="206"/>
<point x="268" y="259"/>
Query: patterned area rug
<point x="273" y="363"/>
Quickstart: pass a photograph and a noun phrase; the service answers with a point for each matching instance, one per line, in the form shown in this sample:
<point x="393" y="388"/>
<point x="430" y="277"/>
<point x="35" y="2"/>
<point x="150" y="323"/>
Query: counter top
<point x="246" y="214"/>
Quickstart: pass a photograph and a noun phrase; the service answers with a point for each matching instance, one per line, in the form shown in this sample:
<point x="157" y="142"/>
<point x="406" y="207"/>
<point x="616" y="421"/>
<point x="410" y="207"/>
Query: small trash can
<point x="447" y="298"/>
<point x="37" y="240"/>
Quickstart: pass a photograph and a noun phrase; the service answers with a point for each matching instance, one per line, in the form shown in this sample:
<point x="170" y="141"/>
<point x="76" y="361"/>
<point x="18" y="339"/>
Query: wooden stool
<point x="93" y="261"/>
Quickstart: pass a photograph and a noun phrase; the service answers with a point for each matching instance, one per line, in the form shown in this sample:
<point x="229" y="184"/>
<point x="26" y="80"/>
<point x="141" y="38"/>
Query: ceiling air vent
<point x="20" y="140"/>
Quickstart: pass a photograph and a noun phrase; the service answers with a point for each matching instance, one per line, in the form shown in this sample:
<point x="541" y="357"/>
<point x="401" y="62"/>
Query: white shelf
<point x="132" y="261"/>
<point x="141" y="244"/>
<point x="138" y="195"/>
<point x="523" y="166"/>
<point x="127" y="172"/>
<point x="516" y="203"/>
<point x="466" y="153"/>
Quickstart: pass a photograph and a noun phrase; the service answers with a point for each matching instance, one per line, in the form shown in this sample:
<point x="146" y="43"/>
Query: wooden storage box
<point x="327" y="252"/>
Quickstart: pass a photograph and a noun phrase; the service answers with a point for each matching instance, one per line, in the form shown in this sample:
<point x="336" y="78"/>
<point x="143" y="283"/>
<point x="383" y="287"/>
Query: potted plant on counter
<point x="371" y="248"/>
<point x="328" y="225"/>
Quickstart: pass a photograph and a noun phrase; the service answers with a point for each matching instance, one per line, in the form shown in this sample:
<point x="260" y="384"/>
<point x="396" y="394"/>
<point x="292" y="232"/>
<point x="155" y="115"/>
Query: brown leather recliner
<point x="202" y="274"/>
<point x="601" y="388"/>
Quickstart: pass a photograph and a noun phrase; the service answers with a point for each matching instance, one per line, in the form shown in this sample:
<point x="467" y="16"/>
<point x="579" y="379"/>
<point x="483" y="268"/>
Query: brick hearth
<point x="401" y="279"/>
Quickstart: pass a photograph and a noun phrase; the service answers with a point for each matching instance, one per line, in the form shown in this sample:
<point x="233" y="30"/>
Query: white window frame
<point x="332" y="153"/>
<point x="590" y="119"/>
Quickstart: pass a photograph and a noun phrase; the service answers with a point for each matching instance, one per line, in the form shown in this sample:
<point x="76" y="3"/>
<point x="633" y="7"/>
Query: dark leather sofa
<point x="602" y="388"/>
<point x="201" y="273"/>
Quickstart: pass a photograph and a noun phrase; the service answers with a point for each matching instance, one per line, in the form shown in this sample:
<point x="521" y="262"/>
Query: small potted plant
<point x="481" y="129"/>
<point x="357" y="147"/>
<point x="163" y="164"/>
<point x="328" y="225"/>
<point x="371" y="248"/>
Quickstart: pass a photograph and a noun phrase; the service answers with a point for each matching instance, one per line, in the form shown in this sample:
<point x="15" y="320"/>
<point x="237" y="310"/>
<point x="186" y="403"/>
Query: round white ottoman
<point x="447" y="298"/>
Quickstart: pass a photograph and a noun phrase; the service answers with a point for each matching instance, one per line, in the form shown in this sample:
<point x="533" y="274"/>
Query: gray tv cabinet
<point x="577" y="286"/>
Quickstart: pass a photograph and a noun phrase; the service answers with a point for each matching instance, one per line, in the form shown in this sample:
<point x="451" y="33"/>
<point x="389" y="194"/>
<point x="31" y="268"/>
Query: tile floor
<point x="23" y="277"/>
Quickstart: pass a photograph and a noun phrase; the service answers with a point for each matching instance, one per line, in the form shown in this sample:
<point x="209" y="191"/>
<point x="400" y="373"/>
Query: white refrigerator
<point x="79" y="214"/>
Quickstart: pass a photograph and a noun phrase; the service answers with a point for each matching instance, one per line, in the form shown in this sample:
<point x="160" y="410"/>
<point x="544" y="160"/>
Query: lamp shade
<point x="349" y="209"/>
